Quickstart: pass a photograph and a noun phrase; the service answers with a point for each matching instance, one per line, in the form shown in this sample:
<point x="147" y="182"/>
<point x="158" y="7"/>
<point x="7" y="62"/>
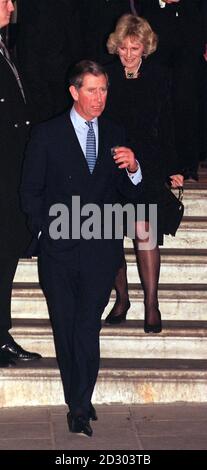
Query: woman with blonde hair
<point x="139" y="99"/>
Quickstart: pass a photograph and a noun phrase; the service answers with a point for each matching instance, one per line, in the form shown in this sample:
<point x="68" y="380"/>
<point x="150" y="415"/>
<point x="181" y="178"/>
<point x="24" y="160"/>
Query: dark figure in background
<point x="98" y="20"/>
<point x="139" y="98"/>
<point x="14" y="235"/>
<point x="179" y="25"/>
<point x="48" y="43"/>
<point x="205" y="27"/>
<point x="77" y="274"/>
<point x="204" y="94"/>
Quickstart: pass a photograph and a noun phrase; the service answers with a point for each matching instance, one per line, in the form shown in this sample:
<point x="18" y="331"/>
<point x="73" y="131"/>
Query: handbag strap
<point x="181" y="193"/>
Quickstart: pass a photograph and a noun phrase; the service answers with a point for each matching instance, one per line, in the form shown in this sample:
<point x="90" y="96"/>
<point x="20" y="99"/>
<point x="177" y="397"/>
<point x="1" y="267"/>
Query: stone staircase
<point x="135" y="367"/>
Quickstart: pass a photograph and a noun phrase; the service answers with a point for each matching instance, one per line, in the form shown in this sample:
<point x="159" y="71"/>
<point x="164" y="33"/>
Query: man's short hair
<point x="82" y="68"/>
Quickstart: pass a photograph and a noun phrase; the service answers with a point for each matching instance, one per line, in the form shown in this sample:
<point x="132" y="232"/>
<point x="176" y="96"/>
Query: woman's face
<point x="130" y="52"/>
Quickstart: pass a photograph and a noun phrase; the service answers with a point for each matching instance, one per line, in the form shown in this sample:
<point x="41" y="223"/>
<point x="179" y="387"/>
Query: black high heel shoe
<point x="156" y="328"/>
<point x="112" y="319"/>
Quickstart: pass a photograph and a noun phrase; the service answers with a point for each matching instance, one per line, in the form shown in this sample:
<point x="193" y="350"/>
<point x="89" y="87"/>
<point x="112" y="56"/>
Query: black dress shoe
<point x="5" y="360"/>
<point x="113" y="319"/>
<point x="92" y="413"/>
<point x="152" y="328"/>
<point x="14" y="351"/>
<point x="79" y="424"/>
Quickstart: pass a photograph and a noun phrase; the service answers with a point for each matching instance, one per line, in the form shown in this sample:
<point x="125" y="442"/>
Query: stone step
<point x="34" y="335"/>
<point x="125" y="381"/>
<point x="187" y="266"/>
<point x="178" y="265"/>
<point x="202" y="166"/>
<point x="202" y="182"/>
<point x="177" y="302"/>
<point x="178" y="340"/>
<point x="195" y="202"/>
<point x="192" y="233"/>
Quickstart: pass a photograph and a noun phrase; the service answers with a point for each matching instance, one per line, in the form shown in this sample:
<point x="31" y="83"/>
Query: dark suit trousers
<point x="76" y="298"/>
<point x="7" y="271"/>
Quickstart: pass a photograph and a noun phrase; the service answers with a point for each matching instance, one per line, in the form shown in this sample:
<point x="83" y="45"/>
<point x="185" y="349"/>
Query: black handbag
<point x="172" y="211"/>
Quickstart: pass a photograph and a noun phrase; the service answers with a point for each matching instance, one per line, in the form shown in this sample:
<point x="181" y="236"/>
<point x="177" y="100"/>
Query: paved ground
<point x="179" y="426"/>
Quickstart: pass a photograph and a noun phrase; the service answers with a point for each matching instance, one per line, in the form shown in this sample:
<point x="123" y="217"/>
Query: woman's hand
<point x="176" y="181"/>
<point x="125" y="158"/>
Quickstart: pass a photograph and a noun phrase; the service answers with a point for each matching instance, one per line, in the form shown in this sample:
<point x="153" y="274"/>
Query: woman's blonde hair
<point x="134" y="27"/>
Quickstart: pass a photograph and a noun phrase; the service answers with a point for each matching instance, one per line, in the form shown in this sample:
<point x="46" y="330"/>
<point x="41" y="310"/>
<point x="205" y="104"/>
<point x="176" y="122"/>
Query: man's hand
<point x="176" y="181"/>
<point x="124" y="158"/>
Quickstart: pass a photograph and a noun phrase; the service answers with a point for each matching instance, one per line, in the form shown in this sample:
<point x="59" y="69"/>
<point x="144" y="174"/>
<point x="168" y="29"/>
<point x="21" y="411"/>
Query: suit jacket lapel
<point x="73" y="148"/>
<point x="79" y="157"/>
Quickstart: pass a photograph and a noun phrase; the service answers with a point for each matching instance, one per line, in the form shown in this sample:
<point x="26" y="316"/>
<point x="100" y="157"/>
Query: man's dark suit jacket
<point x="55" y="169"/>
<point x="14" y="120"/>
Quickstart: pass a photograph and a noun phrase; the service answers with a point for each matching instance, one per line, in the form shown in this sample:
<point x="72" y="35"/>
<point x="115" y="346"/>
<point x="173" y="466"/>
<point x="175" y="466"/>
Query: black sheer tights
<point x="121" y="287"/>
<point x="148" y="263"/>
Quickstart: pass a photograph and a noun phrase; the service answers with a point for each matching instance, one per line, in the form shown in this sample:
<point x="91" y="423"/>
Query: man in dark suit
<point x="77" y="271"/>
<point x="179" y="26"/>
<point x="14" y="235"/>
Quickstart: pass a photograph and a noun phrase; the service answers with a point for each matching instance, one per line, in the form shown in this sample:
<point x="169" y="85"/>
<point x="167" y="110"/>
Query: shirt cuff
<point x="162" y="4"/>
<point x="135" y="178"/>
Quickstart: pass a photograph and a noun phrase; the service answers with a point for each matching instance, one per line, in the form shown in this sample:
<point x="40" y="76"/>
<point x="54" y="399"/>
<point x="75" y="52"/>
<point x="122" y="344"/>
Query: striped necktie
<point x="91" y="147"/>
<point x="4" y="51"/>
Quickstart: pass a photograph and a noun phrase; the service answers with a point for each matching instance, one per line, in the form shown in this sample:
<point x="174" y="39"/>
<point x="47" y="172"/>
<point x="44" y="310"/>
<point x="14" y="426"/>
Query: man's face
<point x="90" y="99"/>
<point x="6" y="8"/>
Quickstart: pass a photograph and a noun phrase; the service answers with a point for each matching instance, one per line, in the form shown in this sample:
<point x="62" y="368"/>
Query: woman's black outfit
<point x="143" y="106"/>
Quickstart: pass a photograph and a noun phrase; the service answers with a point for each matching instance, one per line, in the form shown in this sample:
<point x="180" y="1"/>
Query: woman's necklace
<point x="133" y="74"/>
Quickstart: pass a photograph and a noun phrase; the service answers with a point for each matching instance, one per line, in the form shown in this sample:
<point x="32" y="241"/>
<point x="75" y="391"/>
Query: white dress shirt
<point x="162" y="4"/>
